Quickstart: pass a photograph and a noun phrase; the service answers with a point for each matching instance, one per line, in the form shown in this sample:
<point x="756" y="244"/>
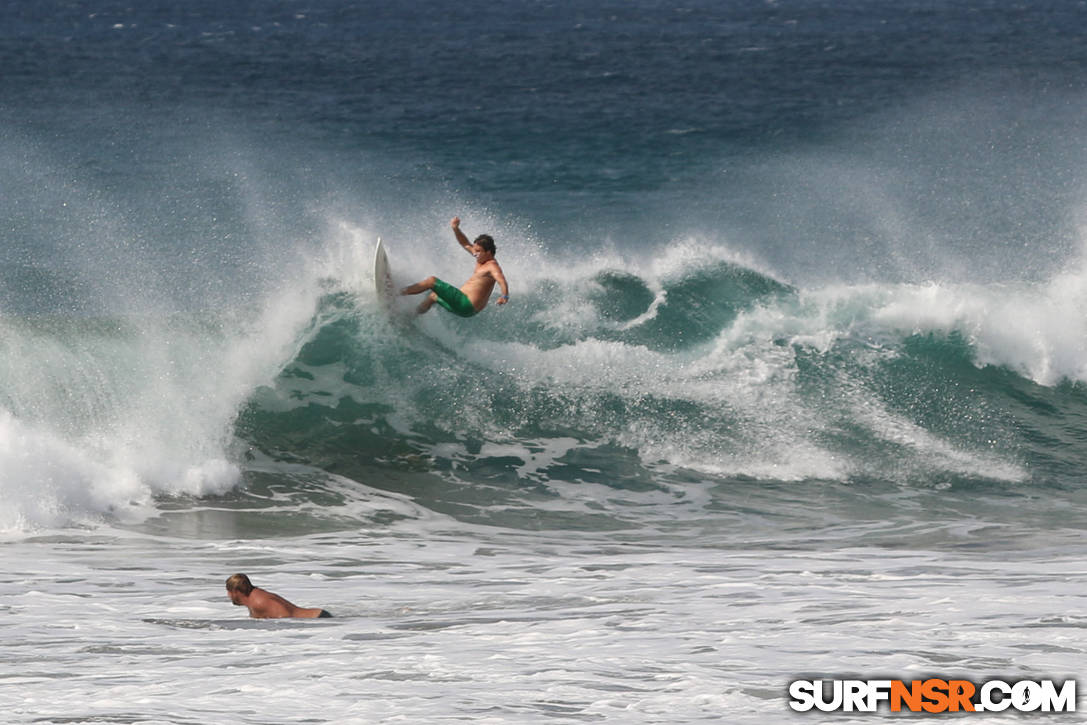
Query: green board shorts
<point x="453" y="299"/>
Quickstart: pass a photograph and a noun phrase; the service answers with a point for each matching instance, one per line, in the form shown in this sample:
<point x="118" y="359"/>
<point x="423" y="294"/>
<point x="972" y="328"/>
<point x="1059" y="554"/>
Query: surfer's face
<point x="481" y="254"/>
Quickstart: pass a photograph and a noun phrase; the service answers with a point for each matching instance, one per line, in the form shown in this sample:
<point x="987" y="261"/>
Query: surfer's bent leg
<point x="444" y="294"/>
<point x="426" y="304"/>
<point x="418" y="287"/>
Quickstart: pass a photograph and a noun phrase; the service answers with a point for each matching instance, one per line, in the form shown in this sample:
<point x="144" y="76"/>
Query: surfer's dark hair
<point x="485" y="241"/>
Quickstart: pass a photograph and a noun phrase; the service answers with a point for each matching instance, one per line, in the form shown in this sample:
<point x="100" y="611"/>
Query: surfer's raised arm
<point x="455" y="223"/>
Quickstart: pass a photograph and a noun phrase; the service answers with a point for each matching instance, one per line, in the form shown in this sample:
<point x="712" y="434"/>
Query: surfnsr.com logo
<point x="932" y="695"/>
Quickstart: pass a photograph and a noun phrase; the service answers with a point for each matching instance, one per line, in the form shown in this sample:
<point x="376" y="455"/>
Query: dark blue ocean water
<point x="848" y="228"/>
<point x="775" y="240"/>
<point x="789" y="279"/>
<point x="759" y="122"/>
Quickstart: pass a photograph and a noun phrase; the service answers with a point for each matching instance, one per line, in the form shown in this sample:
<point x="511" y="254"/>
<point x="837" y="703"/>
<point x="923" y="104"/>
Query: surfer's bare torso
<point x="479" y="286"/>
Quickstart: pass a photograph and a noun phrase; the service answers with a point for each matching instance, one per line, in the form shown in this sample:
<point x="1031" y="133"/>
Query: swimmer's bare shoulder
<point x="263" y="604"/>
<point x="266" y="605"/>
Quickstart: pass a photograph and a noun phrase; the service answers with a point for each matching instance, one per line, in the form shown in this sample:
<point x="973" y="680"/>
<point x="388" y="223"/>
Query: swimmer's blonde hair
<point x="239" y="583"/>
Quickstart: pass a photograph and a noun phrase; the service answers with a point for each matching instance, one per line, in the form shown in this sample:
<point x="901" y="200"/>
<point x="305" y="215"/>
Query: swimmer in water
<point x="263" y="604"/>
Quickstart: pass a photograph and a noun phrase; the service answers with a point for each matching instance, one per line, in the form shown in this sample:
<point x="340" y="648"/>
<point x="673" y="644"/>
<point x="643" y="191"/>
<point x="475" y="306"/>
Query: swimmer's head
<point x="238" y="585"/>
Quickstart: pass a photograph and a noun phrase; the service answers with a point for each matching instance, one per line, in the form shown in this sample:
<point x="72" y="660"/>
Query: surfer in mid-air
<point x="473" y="294"/>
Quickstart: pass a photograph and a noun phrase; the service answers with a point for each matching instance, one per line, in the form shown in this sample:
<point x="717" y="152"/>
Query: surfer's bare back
<point x="474" y="294"/>
<point x="263" y="604"/>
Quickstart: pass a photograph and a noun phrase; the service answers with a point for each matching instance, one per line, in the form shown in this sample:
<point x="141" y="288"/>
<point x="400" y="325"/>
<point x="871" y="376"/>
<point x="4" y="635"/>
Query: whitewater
<point x="540" y="514"/>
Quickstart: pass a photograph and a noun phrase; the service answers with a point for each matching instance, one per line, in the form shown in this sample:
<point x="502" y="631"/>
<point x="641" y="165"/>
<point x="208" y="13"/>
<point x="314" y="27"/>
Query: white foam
<point x="1038" y="330"/>
<point x="50" y="482"/>
<point x="102" y="421"/>
<point x="490" y="625"/>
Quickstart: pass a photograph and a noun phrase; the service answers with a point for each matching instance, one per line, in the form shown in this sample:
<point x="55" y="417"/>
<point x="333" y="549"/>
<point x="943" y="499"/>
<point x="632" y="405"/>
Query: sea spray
<point x="124" y="381"/>
<point x="101" y="414"/>
<point x="686" y="360"/>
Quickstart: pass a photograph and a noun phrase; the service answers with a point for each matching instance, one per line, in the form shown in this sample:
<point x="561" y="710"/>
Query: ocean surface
<point x="792" y="382"/>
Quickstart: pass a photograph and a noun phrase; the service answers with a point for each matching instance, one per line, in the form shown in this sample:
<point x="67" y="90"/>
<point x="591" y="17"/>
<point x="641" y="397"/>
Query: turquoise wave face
<point x="652" y="379"/>
<point x="711" y="371"/>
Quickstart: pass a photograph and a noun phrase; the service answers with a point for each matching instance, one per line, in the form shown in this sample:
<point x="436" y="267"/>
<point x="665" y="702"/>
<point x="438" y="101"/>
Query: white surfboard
<point x="383" y="280"/>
